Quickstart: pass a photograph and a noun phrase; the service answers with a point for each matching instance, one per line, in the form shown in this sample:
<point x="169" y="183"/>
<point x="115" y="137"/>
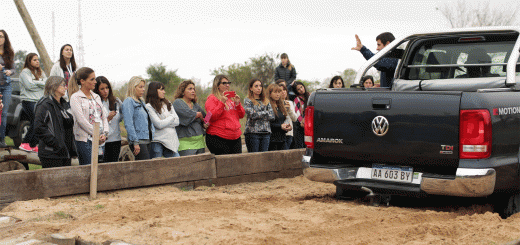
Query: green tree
<point x="348" y="75"/>
<point x="238" y="74"/>
<point x="264" y="67"/>
<point x="19" y="60"/>
<point x="311" y="86"/>
<point x="169" y="78"/>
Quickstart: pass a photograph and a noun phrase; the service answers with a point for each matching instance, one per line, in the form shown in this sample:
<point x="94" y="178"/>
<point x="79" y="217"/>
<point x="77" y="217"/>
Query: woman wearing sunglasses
<point x="225" y="111"/>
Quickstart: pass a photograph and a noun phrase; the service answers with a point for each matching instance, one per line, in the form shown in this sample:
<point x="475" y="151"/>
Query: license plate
<point x="392" y="173"/>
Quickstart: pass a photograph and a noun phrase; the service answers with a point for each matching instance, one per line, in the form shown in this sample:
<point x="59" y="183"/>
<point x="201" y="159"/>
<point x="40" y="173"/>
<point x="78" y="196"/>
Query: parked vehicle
<point x="450" y="125"/>
<point x="17" y="121"/>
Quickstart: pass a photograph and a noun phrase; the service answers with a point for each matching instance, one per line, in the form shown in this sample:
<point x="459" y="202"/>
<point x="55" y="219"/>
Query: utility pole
<point x="53" y="37"/>
<point x="44" y="56"/>
<point x="80" y="54"/>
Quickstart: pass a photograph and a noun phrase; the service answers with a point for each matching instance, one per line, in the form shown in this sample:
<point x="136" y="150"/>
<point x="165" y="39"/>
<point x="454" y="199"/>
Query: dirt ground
<point x="282" y="211"/>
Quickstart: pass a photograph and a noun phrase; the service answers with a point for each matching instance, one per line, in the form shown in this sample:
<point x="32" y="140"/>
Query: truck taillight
<point x="475" y="134"/>
<point x="309" y="126"/>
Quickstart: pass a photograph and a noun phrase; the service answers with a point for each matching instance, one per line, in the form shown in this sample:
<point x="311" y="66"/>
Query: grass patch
<point x="62" y="215"/>
<point x="34" y="167"/>
<point x="99" y="206"/>
<point x="9" y="141"/>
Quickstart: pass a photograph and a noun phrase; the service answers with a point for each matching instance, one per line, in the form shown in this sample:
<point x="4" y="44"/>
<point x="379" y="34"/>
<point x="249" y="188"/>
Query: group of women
<point x="64" y="108"/>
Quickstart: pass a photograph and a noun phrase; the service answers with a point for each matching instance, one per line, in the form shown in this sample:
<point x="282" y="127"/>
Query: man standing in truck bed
<point x="386" y="65"/>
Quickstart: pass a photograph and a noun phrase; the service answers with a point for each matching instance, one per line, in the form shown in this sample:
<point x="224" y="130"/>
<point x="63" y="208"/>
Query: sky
<point x="122" y="38"/>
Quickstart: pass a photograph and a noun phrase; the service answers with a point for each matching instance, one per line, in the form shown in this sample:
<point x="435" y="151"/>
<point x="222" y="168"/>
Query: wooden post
<point x="44" y="56"/>
<point x="94" y="162"/>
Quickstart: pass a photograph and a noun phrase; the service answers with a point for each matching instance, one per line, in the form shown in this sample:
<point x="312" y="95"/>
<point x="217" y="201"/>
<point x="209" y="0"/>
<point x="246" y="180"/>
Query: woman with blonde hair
<point x="223" y="133"/>
<point x="279" y="125"/>
<point x="259" y="114"/>
<point x="138" y="124"/>
<point x="32" y="81"/>
<point x="191" y="116"/>
<point x="289" y="107"/>
<point x="87" y="109"/>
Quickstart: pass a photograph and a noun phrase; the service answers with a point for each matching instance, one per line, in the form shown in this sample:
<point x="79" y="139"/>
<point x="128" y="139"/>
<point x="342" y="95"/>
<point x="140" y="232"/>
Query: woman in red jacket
<point x="225" y="110"/>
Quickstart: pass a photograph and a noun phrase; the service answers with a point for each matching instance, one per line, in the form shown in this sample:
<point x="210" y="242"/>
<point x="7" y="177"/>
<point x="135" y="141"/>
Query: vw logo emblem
<point x="380" y="126"/>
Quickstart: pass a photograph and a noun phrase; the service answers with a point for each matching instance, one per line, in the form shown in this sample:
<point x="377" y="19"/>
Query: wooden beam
<point x="54" y="182"/>
<point x="250" y="163"/>
<point x="26" y="17"/>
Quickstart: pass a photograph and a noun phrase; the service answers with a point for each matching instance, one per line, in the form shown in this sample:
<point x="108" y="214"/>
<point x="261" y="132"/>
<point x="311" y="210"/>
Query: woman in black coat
<point x="287" y="72"/>
<point x="53" y="125"/>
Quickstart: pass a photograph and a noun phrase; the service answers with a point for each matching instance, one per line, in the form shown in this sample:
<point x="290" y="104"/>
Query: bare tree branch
<point x="479" y="13"/>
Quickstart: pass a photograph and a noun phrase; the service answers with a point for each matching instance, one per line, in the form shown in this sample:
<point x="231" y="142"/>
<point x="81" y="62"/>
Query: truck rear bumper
<point x="468" y="182"/>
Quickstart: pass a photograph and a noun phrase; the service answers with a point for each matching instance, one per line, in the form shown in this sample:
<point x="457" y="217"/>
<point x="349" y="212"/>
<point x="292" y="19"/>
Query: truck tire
<point x="22" y="131"/>
<point x="507" y="205"/>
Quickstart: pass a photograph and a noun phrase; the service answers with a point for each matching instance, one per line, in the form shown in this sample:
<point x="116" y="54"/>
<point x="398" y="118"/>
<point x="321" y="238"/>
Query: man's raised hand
<point x="359" y="45"/>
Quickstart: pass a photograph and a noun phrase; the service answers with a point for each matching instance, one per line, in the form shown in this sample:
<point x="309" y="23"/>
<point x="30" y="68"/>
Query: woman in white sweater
<point x="32" y="81"/>
<point x="165" y="142"/>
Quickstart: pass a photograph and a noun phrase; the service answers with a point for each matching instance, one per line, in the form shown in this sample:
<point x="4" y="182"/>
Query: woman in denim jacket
<point x="6" y="71"/>
<point x="137" y="121"/>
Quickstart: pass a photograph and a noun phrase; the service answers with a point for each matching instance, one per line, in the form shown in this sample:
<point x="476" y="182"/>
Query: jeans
<point x="28" y="108"/>
<point x="192" y="152"/>
<point x="5" y="90"/>
<point x="257" y="142"/>
<point x="84" y="152"/>
<point x="112" y="150"/>
<point x="158" y="150"/>
<point x="299" y="134"/>
<point x="276" y="146"/>
<point x="144" y="151"/>
<point x="288" y="142"/>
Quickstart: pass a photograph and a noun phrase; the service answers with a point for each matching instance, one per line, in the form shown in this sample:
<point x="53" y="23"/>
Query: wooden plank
<point x="258" y="177"/>
<point x="250" y="163"/>
<point x="53" y="182"/>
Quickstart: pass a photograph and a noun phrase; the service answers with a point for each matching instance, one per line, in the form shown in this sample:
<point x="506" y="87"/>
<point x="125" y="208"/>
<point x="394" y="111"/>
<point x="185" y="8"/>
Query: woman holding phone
<point x="289" y="107"/>
<point x="223" y="133"/>
<point x="280" y="123"/>
<point x="113" y="106"/>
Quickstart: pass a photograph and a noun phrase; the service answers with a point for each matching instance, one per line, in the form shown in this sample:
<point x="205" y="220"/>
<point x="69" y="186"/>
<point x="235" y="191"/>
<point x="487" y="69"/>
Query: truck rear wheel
<point x="20" y="134"/>
<point x="507" y="205"/>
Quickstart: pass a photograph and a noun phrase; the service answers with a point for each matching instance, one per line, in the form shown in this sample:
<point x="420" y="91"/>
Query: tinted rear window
<point x="482" y="57"/>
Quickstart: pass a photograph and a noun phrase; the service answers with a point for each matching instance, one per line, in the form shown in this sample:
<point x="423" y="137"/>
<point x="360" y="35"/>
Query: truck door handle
<point x="381" y="104"/>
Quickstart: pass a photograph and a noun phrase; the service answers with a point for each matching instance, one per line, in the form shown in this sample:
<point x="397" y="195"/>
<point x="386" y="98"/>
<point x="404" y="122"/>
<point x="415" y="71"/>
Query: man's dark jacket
<point x="387" y="67"/>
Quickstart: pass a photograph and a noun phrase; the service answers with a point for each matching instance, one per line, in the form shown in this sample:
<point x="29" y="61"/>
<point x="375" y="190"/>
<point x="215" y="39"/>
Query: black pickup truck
<point x="17" y="123"/>
<point x="450" y="125"/>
